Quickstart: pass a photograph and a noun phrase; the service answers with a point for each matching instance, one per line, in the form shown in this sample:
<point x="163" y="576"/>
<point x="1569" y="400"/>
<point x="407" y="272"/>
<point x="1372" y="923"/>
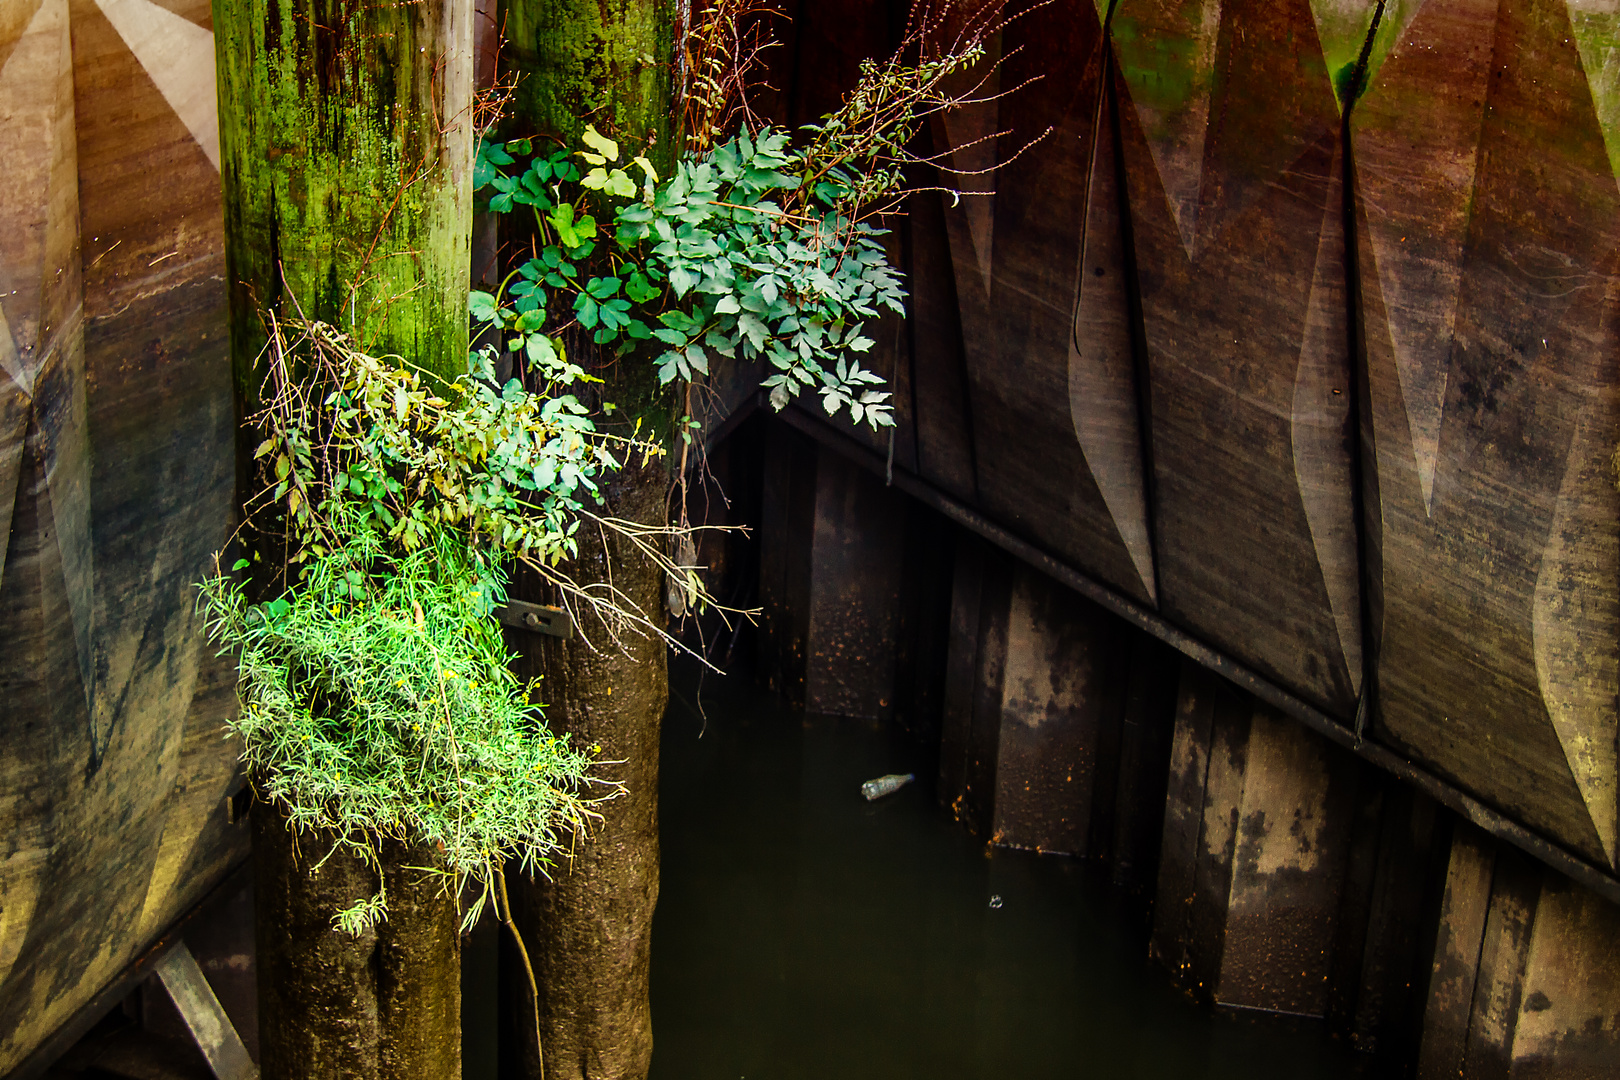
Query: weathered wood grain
<point x="115" y="477"/>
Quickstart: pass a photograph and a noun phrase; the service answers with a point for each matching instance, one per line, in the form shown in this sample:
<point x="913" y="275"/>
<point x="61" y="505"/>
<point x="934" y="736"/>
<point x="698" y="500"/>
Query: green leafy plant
<point x="716" y="261"/>
<point x="376" y="698"/>
<point x="376" y="703"/>
<point x="760" y="247"/>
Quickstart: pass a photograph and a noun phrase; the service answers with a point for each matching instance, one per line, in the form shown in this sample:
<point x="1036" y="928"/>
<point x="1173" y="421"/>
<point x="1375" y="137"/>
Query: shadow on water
<point x="803" y="932"/>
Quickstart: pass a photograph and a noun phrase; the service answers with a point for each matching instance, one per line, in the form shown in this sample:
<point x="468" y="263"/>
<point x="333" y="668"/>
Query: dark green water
<point x="805" y="933"/>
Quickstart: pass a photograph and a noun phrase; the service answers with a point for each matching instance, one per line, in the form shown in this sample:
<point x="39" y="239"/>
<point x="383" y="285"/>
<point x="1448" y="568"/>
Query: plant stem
<point x="528" y="968"/>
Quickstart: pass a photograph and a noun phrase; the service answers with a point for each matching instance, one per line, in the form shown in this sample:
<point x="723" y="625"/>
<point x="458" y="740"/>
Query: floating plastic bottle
<point x="886" y="785"/>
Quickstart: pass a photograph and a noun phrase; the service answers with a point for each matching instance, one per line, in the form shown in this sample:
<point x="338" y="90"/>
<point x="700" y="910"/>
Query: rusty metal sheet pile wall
<point x="1324" y="378"/>
<point x="116" y="485"/>
<point x="1327" y="381"/>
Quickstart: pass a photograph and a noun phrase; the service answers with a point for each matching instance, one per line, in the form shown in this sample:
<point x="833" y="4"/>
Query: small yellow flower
<point x="334" y="609"/>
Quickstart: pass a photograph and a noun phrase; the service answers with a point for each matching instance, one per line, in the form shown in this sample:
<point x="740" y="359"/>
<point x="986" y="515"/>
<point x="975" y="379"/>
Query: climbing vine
<point x="722" y="259"/>
<point x="762" y="245"/>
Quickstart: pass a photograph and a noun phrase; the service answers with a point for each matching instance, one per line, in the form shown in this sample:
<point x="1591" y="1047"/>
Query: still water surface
<point x="805" y="933"/>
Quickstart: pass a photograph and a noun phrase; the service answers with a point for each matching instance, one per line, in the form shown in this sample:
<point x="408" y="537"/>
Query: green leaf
<point x="586" y="309"/>
<point x="602" y="288"/>
<point x="481" y="306"/>
<point x="600" y="143"/>
<point x="539" y="349"/>
<point x="639" y="289"/>
<point x="754" y="328"/>
<point x="562" y="219"/>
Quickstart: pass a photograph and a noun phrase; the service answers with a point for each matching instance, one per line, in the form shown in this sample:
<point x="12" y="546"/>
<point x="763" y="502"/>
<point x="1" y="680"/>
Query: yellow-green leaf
<point x="600" y="143"/>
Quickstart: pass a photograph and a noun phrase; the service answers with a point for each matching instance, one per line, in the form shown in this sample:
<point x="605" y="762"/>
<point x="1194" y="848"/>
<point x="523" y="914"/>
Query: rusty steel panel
<point x="1288" y="870"/>
<point x="851" y="657"/>
<point x="1499" y="980"/>
<point x="1060" y="692"/>
<point x="1455" y="967"/>
<point x="1523" y="982"/>
<point x="1183" y="817"/>
<point x="1257" y="834"/>
<point x="1230" y="136"/>
<point x="1387" y="918"/>
<point x="1488" y="225"/>
<point x="1569" y="1020"/>
<point x="116" y="485"/>
<point x="1039" y="267"/>
<point x="1147" y="730"/>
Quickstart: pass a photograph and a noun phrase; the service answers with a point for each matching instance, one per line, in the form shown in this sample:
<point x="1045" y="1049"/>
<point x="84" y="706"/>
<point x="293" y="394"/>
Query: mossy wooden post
<point x="607" y="63"/>
<point x="346" y="152"/>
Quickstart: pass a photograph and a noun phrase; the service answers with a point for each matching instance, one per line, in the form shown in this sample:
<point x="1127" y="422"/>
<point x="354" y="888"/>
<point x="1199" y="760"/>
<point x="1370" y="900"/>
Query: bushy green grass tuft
<point x="377" y="702"/>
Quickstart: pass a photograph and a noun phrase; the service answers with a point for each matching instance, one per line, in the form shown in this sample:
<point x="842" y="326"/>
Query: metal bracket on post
<point x="215" y="1034"/>
<point x="536" y="618"/>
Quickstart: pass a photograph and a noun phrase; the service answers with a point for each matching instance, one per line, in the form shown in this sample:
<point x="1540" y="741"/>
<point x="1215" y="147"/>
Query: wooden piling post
<point x="346" y="160"/>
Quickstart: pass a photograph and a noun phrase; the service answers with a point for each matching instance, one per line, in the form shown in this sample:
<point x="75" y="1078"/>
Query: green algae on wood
<point x="608" y="63"/>
<point x="346" y="159"/>
<point x="346" y="163"/>
<point x="604" y="62"/>
<point x="1596" y="25"/>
